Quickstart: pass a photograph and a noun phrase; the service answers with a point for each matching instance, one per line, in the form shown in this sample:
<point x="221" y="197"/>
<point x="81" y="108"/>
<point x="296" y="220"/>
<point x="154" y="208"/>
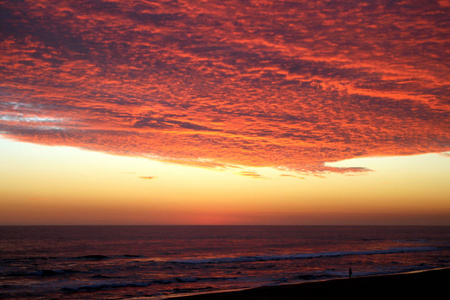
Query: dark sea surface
<point x="117" y="262"/>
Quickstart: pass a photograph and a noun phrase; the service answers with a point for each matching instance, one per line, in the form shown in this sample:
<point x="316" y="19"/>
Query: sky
<point x="224" y="112"/>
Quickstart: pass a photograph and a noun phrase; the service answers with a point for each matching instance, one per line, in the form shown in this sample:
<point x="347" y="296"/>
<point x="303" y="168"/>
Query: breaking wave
<point x="301" y="255"/>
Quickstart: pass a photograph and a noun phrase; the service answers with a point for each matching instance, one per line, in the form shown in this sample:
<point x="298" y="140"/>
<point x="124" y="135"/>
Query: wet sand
<point x="431" y="284"/>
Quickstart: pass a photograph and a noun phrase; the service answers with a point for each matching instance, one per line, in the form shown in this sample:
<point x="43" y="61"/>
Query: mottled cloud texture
<point x="221" y="83"/>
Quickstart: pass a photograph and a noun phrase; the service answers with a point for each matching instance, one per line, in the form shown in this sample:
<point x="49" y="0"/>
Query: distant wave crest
<point x="301" y="255"/>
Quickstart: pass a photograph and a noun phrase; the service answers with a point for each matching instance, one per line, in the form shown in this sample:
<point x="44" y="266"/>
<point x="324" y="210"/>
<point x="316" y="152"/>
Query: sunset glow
<point x="224" y="112"/>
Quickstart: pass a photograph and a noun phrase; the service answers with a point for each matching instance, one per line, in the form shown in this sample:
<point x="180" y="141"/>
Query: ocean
<point x="157" y="262"/>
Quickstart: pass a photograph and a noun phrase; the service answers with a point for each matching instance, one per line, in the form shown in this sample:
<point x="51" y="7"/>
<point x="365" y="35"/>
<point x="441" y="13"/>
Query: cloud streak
<point x="227" y="83"/>
<point x="147" y="177"/>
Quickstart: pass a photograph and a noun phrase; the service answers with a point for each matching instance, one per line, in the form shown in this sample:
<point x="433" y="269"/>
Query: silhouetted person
<point x="350" y="273"/>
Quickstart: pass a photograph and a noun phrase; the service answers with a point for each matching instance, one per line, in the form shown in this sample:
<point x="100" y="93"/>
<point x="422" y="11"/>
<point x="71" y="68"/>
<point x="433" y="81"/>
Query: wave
<point x="113" y="284"/>
<point x="89" y="257"/>
<point x="184" y="279"/>
<point x="41" y="273"/>
<point x="94" y="257"/>
<point x="103" y="257"/>
<point x="104" y="286"/>
<point x="257" y="258"/>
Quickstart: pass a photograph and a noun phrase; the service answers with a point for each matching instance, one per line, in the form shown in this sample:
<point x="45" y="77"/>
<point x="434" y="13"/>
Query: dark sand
<point x="432" y="284"/>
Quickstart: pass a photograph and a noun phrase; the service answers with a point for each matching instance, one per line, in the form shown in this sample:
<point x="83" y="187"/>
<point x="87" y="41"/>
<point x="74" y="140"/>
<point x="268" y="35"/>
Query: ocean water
<point x="155" y="262"/>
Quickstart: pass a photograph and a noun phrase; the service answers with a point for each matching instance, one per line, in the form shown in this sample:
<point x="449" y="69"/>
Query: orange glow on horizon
<point x="64" y="185"/>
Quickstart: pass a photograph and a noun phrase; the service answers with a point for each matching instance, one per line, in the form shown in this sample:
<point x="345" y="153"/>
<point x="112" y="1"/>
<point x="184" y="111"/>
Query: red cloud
<point x="219" y="83"/>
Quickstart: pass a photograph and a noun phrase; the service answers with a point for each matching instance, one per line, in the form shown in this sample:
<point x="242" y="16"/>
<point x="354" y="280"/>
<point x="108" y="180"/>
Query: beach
<point x="427" y="284"/>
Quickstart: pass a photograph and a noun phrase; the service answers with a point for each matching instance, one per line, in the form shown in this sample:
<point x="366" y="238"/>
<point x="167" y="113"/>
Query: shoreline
<point x="420" y="283"/>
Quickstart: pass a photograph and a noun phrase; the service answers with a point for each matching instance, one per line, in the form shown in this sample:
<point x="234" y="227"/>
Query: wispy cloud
<point x="223" y="83"/>
<point x="293" y="176"/>
<point x="147" y="177"/>
<point x="252" y="174"/>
